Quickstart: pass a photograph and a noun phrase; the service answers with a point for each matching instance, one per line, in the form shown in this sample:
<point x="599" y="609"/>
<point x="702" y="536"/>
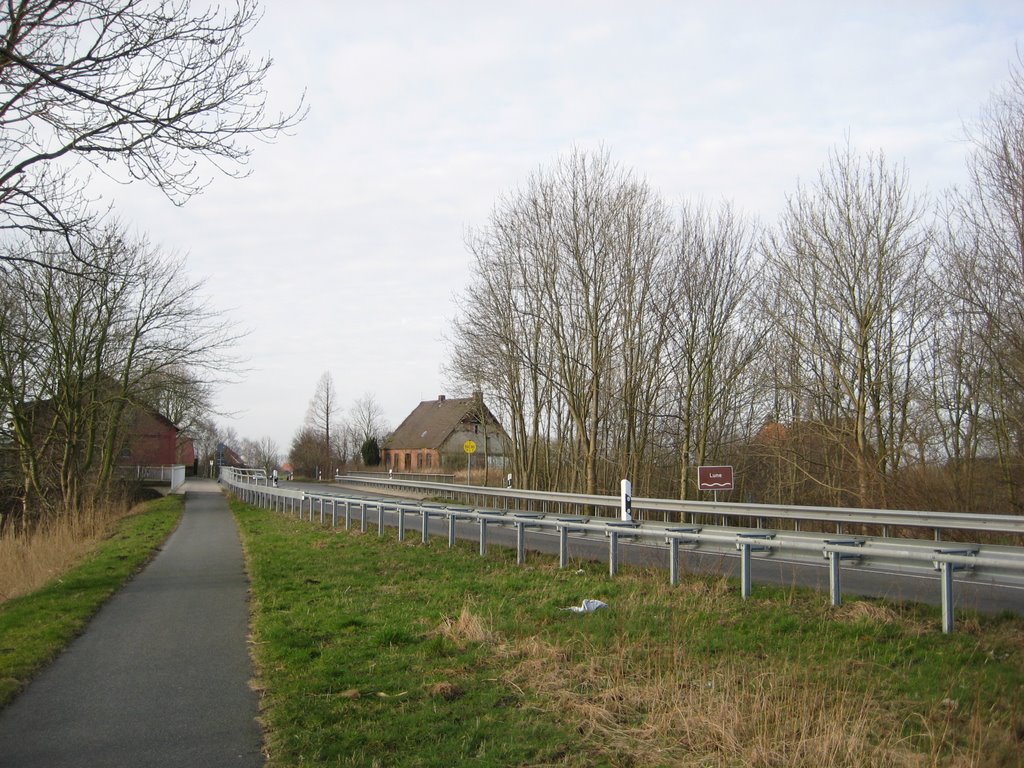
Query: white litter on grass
<point x="587" y="606"/>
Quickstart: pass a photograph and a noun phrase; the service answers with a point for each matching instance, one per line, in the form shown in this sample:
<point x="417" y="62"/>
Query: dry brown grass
<point x="690" y="712"/>
<point x="30" y="560"/>
<point x="877" y="613"/>
<point x="468" y="628"/>
<point x="643" y="707"/>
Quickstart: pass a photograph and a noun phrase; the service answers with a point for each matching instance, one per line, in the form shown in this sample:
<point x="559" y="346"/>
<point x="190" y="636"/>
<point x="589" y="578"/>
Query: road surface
<point x="161" y="675"/>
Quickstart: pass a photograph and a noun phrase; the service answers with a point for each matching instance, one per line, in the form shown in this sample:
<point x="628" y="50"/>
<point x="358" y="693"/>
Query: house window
<point x="408" y="461"/>
<point x="430" y="458"/>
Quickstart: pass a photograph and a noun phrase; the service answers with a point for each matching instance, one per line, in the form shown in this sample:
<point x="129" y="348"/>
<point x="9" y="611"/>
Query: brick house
<point x="433" y="436"/>
<point x="152" y="440"/>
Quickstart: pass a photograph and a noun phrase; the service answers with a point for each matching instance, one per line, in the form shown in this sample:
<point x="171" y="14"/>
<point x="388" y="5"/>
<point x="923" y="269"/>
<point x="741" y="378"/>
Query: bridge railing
<point x="166" y="473"/>
<point x="987" y="564"/>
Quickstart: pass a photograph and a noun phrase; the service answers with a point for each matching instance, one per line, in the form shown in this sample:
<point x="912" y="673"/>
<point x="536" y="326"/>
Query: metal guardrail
<point x="690" y="511"/>
<point x="998" y="565"/>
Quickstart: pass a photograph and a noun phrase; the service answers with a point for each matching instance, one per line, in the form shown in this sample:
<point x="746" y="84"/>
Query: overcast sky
<point x="343" y="251"/>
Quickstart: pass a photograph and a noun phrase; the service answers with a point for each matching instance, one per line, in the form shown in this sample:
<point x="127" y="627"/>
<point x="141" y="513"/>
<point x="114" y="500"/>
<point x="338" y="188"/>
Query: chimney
<point x="440" y="398"/>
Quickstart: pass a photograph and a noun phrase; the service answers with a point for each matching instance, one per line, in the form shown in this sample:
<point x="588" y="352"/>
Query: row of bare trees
<point x="95" y="322"/>
<point x="328" y="441"/>
<point x="864" y="350"/>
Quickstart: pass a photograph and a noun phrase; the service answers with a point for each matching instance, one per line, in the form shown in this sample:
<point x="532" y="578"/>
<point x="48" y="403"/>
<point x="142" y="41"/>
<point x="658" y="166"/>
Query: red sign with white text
<point x="714" y="478"/>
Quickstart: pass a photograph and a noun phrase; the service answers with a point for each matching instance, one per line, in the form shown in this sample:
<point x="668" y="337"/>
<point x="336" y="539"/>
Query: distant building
<point x="434" y="435"/>
<point x="150" y="440"/>
<point x="227" y="457"/>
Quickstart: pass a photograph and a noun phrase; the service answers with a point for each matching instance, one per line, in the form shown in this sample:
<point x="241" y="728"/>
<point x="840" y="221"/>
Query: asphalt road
<point x="161" y="675"/>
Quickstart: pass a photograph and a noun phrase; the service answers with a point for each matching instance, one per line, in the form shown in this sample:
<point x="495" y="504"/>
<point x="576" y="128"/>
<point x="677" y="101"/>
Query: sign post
<point x="714" y="479"/>
<point x="470" y="448"/>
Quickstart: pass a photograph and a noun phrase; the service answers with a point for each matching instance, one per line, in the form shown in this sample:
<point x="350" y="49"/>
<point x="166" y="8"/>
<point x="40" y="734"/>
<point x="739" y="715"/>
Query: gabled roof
<point x="432" y="422"/>
<point x="159" y="417"/>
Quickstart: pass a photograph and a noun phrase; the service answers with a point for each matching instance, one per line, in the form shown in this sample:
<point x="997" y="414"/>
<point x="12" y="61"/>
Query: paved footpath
<point x="160" y="678"/>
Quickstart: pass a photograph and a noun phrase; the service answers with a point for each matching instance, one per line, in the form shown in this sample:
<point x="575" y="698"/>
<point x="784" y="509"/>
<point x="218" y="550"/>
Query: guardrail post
<point x="673" y="553"/>
<point x="451" y="529"/>
<point x="348" y="514"/>
<point x="946" y="570"/>
<point x="424" y="525"/>
<point x="520" y="542"/>
<point x="483" y="536"/>
<point x="334" y="512"/>
<point x="834" y="561"/>
<point x="322" y="510"/>
<point x="362" y="516"/>
<point x="613" y="544"/>
<point x="380" y="519"/>
<point x="401" y="522"/>
<point x="563" y="546"/>
<point x="746" y="543"/>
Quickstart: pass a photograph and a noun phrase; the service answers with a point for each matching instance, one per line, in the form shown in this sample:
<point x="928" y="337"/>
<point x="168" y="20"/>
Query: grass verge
<point x="373" y="652"/>
<point x="34" y="628"/>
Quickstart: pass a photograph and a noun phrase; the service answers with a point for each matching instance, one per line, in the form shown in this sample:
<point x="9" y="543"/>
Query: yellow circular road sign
<point x="469" y="446"/>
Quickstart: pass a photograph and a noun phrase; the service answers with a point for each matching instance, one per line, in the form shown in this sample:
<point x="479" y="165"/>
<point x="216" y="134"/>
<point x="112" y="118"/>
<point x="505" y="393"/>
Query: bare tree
<point x="306" y="452"/>
<point x="261" y="454"/>
<point x="366" y="417"/>
<point x="81" y="353"/>
<point x="714" y="335"/>
<point x="848" y="286"/>
<point x="157" y="91"/>
<point x="322" y="419"/>
<point x="984" y="267"/>
<point x="563" y="263"/>
<point x="499" y="344"/>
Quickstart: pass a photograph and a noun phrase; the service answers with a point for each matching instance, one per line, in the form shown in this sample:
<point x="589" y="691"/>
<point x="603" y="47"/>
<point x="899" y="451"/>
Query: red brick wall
<point x="151" y="441"/>
<point x="413" y="460"/>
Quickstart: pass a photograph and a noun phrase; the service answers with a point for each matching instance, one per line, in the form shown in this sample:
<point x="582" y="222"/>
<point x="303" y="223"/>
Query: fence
<point x="560" y="515"/>
<point x="168" y="473"/>
<point x="391" y="477"/>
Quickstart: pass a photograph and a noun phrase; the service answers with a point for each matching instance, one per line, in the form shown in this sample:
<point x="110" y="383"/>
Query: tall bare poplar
<point x="564" y="263"/>
<point x="322" y="419"/>
<point x="714" y="337"/>
<point x="984" y="268"/>
<point x="848" y="289"/>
